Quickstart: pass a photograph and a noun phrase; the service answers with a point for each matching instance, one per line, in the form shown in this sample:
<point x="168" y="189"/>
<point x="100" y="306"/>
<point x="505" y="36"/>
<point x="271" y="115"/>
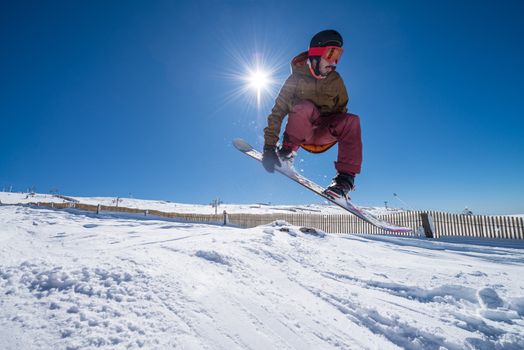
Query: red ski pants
<point x="305" y="127"/>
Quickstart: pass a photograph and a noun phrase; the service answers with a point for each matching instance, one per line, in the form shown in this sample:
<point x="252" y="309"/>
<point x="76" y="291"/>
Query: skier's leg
<point x="346" y="129"/>
<point x="301" y="124"/>
<point x="305" y="126"/>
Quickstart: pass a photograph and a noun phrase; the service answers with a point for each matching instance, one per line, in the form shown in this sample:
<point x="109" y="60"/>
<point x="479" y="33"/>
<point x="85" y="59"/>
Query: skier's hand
<point x="270" y="158"/>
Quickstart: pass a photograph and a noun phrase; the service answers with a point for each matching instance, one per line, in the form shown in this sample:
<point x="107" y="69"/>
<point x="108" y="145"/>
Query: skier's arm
<point x="283" y="105"/>
<point x="342" y="97"/>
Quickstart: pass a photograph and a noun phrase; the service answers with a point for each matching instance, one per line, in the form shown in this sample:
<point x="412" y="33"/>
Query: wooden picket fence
<point x="506" y="227"/>
<point x="432" y="224"/>
<point x="332" y="223"/>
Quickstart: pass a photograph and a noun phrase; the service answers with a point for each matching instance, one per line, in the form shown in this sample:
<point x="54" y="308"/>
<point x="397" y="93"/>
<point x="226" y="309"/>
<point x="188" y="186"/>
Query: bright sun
<point x="256" y="76"/>
<point x="254" y="73"/>
<point x="258" y="80"/>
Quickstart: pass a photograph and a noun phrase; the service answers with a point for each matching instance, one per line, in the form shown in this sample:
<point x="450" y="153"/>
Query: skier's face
<point x="325" y="67"/>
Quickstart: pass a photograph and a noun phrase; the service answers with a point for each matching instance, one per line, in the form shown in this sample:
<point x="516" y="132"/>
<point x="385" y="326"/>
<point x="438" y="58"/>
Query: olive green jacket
<point x="328" y="94"/>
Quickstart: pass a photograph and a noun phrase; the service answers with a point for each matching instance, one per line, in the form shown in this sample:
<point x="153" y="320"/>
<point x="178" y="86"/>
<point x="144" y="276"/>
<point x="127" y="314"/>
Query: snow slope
<point x="70" y="280"/>
<point x="24" y="198"/>
<point x="167" y="206"/>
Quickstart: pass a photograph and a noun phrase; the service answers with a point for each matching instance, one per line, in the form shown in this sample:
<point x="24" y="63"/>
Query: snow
<point x="24" y="198"/>
<point x="72" y="280"/>
<point x="168" y="206"/>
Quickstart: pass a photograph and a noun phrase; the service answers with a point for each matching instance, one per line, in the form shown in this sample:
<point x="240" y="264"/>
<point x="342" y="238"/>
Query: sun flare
<point x="259" y="80"/>
<point x="256" y="76"/>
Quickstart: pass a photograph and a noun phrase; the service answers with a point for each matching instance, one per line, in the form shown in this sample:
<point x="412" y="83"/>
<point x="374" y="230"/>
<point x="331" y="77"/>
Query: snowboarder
<point x="315" y="99"/>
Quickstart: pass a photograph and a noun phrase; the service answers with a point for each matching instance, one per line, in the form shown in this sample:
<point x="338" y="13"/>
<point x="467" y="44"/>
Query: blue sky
<point x="104" y="98"/>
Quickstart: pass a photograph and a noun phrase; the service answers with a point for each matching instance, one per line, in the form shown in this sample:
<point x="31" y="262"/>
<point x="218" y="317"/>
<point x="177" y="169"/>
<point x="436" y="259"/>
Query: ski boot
<point x="287" y="155"/>
<point x="340" y="186"/>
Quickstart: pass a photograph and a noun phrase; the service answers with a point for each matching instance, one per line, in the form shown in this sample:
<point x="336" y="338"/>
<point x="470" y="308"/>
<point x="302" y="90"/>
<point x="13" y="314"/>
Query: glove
<point x="270" y="158"/>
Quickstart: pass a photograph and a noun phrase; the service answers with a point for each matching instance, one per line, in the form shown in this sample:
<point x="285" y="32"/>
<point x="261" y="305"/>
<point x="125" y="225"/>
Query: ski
<point x="342" y="202"/>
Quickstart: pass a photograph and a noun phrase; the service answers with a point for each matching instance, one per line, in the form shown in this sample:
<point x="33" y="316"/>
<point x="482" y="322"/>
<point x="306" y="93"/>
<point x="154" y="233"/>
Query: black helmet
<point x="327" y="37"/>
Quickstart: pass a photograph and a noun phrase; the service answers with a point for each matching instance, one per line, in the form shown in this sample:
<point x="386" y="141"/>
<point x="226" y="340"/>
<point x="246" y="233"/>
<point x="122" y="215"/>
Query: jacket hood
<point x="299" y="64"/>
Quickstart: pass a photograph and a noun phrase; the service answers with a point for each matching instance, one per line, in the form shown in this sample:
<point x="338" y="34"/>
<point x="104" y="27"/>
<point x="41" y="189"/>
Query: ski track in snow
<point x="75" y="281"/>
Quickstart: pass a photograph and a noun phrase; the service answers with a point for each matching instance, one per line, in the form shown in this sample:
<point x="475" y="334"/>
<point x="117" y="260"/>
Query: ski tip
<point x="242" y="145"/>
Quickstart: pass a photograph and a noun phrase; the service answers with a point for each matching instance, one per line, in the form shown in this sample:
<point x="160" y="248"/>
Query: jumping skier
<point x="315" y="98"/>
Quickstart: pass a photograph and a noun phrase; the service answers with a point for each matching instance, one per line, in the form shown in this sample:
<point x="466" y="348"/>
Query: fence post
<point x="428" y="231"/>
<point x="521" y="228"/>
<point x="225" y="218"/>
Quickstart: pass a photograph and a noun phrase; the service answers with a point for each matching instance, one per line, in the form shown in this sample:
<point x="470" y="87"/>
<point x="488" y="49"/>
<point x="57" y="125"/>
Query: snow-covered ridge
<point x="167" y="206"/>
<point x="73" y="281"/>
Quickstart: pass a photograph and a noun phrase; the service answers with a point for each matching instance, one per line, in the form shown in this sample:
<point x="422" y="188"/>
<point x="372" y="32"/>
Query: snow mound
<point x="494" y="308"/>
<point x="489" y="299"/>
<point x="284" y="226"/>
<point x="213" y="257"/>
<point x="517" y="304"/>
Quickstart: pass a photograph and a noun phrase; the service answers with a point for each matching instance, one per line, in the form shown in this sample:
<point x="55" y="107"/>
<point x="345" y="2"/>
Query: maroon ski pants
<point x="316" y="133"/>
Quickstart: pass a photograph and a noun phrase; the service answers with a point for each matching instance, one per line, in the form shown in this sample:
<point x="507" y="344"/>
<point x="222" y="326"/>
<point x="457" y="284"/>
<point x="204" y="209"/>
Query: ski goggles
<point x="330" y="53"/>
